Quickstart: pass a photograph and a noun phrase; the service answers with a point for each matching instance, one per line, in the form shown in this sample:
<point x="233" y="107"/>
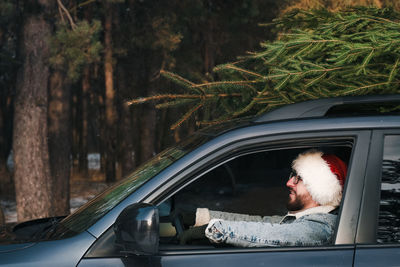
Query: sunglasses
<point x="296" y="177"/>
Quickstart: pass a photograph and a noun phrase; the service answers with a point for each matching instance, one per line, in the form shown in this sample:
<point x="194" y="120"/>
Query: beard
<point x="296" y="204"/>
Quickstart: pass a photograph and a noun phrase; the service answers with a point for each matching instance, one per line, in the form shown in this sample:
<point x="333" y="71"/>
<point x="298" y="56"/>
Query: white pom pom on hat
<point x="323" y="175"/>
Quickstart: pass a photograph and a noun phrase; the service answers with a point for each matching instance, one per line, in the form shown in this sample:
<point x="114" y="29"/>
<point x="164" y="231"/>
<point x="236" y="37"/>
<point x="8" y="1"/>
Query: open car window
<point x="250" y="180"/>
<point x="252" y="183"/>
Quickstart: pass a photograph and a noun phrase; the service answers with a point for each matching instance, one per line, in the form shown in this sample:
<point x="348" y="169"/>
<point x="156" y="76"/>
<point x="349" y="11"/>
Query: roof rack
<point x="320" y="107"/>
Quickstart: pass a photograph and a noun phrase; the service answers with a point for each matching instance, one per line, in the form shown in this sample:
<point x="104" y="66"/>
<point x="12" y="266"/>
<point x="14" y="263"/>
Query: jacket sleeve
<point x="204" y="215"/>
<point x="310" y="230"/>
<point x="228" y="216"/>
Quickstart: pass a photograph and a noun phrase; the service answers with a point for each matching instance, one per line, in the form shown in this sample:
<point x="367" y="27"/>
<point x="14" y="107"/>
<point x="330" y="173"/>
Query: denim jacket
<point x="312" y="227"/>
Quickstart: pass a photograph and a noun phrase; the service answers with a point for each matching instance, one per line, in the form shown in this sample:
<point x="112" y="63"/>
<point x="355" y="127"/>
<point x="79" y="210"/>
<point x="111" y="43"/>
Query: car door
<point x="378" y="237"/>
<point x="339" y="254"/>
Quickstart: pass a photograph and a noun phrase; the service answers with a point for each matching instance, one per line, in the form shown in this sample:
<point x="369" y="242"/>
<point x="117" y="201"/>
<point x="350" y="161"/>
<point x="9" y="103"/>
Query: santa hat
<point x="323" y="175"/>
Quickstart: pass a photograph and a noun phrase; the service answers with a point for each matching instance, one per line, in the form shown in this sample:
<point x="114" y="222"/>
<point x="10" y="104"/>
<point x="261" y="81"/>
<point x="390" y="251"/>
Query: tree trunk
<point x="209" y="47"/>
<point x="127" y="146"/>
<point x="31" y="156"/>
<point x="147" y="133"/>
<point x="59" y="141"/>
<point x="6" y="117"/>
<point x="5" y="177"/>
<point x="8" y="71"/>
<point x="75" y="128"/>
<point x="84" y="103"/>
<point x="125" y="130"/>
<point x="2" y="217"/>
<point x="148" y="119"/>
<point x="111" y="116"/>
<point x="83" y="140"/>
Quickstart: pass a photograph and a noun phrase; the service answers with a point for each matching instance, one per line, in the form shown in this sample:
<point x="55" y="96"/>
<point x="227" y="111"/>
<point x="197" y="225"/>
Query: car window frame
<point x="351" y="209"/>
<point x="360" y="145"/>
<point x="369" y="212"/>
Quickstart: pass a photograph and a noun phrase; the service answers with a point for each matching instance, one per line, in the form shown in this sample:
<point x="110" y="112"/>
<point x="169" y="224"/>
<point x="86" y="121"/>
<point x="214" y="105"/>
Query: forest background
<point x="69" y="68"/>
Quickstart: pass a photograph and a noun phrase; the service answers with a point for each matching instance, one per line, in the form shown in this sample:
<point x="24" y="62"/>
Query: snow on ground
<point x="76" y="202"/>
<point x="10" y="207"/>
<point x="81" y="191"/>
<point x="10" y="210"/>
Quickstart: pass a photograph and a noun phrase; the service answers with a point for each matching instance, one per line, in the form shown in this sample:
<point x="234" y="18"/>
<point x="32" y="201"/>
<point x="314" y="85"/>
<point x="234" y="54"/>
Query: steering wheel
<point x="177" y="221"/>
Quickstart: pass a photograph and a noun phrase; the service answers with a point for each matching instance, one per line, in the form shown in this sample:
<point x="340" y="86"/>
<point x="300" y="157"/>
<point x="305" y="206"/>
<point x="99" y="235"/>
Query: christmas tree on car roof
<point x="317" y="54"/>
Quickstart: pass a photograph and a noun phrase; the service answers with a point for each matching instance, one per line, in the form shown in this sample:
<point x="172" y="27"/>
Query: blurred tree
<point x="110" y="112"/>
<point x="59" y="139"/>
<point x="2" y="218"/>
<point x="8" y="65"/>
<point x="79" y="51"/>
<point x="82" y="142"/>
<point x="73" y="46"/>
<point x="59" y="128"/>
<point x="111" y="116"/>
<point x="144" y="40"/>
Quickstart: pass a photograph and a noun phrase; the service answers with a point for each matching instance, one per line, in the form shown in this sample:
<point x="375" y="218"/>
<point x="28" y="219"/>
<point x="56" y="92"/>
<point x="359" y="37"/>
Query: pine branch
<point x="210" y="84"/>
<point x="187" y="116"/>
<point x="304" y="72"/>
<point x="394" y="71"/>
<point x="176" y="103"/>
<point x="318" y="54"/>
<point x="232" y="67"/>
<point x="178" y="79"/>
<point x="142" y="100"/>
<point x="215" y="122"/>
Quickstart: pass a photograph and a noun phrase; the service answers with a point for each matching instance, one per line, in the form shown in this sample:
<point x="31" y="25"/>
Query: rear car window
<point x="389" y="212"/>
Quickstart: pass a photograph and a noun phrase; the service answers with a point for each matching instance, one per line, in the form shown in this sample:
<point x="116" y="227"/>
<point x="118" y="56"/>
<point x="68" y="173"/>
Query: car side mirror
<point x="137" y="229"/>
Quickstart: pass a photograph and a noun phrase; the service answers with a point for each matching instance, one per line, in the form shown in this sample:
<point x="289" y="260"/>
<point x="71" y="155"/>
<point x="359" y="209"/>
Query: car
<point x="239" y="166"/>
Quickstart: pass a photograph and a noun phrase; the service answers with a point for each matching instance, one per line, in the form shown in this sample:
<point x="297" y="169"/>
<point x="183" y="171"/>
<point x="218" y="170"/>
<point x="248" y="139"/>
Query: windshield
<point x="88" y="214"/>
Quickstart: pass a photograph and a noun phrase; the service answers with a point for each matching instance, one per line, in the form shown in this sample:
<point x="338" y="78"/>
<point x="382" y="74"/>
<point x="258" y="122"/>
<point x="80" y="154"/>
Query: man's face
<point x="299" y="197"/>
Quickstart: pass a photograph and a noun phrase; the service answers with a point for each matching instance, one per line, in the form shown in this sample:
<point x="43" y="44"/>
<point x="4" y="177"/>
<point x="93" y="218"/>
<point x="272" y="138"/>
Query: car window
<point x="92" y="211"/>
<point x="252" y="184"/>
<point x="389" y="212"/>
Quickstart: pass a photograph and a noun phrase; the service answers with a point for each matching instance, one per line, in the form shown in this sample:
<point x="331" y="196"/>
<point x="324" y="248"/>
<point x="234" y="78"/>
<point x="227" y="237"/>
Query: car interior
<point x="251" y="183"/>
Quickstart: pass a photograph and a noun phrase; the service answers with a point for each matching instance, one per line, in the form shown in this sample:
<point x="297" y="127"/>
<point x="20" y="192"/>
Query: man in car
<point x="315" y="186"/>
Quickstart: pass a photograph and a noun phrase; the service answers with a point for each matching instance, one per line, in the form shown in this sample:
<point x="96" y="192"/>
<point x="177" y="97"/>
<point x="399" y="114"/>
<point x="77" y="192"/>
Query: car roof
<point x="320" y="107"/>
<point x="345" y="106"/>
